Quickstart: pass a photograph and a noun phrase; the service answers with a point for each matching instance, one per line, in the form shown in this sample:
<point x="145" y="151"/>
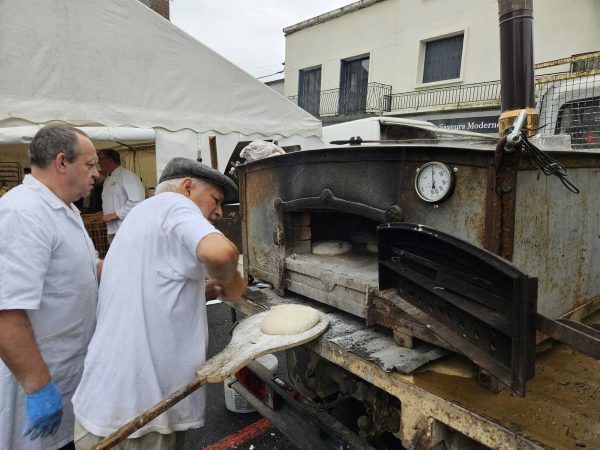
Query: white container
<point x="234" y="402"/>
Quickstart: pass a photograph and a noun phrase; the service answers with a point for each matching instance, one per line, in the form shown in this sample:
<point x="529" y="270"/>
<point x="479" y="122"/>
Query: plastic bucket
<point x="234" y="402"/>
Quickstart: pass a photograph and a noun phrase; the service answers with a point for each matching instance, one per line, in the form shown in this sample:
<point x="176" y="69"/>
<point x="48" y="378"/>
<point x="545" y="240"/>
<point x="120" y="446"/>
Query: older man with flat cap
<point x="152" y="333"/>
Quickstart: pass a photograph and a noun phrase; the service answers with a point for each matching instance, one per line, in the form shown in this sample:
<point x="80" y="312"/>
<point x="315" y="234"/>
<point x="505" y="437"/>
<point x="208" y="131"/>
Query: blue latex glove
<point x="44" y="412"/>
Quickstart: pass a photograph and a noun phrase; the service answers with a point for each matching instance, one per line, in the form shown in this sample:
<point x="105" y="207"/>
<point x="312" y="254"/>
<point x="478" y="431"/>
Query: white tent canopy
<point x="116" y="63"/>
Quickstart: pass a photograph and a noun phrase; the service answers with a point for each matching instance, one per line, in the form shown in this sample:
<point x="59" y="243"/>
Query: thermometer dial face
<point x="434" y="182"/>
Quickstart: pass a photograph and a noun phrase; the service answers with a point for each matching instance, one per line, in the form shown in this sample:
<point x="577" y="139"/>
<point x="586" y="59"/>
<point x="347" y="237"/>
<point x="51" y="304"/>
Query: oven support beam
<point x="500" y="202"/>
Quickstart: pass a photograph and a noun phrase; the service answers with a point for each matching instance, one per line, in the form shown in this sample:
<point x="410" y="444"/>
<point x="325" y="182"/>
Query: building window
<point x="354" y="82"/>
<point x="443" y="58"/>
<point x="309" y="90"/>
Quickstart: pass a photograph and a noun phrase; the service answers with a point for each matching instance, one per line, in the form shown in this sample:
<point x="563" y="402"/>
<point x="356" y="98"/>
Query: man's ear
<point x="185" y="187"/>
<point x="60" y="162"/>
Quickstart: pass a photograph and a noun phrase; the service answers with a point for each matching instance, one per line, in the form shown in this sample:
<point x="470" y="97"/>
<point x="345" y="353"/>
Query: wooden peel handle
<point x="145" y="417"/>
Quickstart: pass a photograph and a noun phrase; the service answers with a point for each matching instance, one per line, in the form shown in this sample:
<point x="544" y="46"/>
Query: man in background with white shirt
<point x="48" y="291"/>
<point x="122" y="190"/>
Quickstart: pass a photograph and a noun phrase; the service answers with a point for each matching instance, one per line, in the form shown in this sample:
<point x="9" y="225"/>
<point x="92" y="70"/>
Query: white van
<point x="383" y="128"/>
<point x="572" y="107"/>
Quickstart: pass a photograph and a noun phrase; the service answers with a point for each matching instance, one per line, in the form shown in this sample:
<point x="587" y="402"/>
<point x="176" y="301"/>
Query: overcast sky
<point x="247" y="32"/>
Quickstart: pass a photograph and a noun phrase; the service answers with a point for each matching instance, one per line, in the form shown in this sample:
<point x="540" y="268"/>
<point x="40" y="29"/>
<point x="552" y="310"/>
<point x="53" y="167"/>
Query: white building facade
<point x="436" y="60"/>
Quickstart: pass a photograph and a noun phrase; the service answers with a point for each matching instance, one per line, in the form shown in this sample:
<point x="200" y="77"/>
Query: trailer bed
<point x="561" y="408"/>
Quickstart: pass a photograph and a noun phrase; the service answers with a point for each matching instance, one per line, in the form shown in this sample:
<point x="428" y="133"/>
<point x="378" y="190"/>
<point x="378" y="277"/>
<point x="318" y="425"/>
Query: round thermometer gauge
<point x="434" y="182"/>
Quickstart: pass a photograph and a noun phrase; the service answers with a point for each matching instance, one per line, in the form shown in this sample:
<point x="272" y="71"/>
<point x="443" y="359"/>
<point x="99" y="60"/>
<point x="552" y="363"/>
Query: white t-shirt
<point x="48" y="268"/>
<point x="122" y="190"/>
<point x="152" y="331"/>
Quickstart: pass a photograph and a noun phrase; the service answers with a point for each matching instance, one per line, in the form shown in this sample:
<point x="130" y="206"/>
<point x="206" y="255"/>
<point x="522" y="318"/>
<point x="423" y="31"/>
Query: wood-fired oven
<point x="290" y="202"/>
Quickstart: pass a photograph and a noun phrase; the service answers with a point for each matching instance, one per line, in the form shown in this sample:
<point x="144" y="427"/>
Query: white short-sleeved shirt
<point x="48" y="268"/>
<point x="152" y="331"/>
<point x="122" y="190"/>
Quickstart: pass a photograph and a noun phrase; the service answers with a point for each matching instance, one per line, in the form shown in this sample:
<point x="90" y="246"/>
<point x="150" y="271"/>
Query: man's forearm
<point x="19" y="350"/>
<point x="219" y="255"/>
<point x="223" y="272"/>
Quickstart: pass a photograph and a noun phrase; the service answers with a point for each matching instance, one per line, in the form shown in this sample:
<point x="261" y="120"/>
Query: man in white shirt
<point x="122" y="190"/>
<point x="48" y="291"/>
<point x="152" y="330"/>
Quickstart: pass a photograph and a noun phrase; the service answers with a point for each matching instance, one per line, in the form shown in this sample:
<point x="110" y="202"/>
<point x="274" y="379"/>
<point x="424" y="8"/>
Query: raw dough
<point x="289" y="319"/>
<point x="331" y="248"/>
<point x="372" y="247"/>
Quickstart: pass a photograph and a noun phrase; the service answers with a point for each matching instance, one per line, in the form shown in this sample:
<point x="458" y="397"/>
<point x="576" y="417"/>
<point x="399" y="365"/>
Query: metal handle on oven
<point x="579" y="336"/>
<point x="328" y="201"/>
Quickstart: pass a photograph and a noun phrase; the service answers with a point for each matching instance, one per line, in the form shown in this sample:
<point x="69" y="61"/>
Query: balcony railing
<point x="455" y="96"/>
<point x="377" y="98"/>
<point x="355" y="100"/>
<point x="480" y="94"/>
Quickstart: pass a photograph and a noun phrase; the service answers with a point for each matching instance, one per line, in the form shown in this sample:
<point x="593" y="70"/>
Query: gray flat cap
<point x="184" y="167"/>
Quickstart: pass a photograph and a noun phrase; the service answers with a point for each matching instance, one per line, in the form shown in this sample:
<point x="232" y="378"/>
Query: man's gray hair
<point x="51" y="140"/>
<point x="173" y="185"/>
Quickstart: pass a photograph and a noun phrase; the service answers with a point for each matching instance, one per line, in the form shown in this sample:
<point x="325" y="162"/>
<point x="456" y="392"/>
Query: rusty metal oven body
<point x="291" y="201"/>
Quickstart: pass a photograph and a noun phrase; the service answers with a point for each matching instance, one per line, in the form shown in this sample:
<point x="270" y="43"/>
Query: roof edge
<point x="329" y="15"/>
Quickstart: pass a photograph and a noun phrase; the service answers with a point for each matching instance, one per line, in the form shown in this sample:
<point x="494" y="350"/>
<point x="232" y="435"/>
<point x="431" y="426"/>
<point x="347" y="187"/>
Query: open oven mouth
<point x="328" y="225"/>
<point x="307" y="224"/>
<point x="331" y="256"/>
<point x="329" y="233"/>
<point x="339" y="245"/>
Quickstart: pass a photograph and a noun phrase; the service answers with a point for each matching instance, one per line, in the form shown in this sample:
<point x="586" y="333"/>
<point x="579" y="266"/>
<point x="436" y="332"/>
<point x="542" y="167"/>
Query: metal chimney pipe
<point x="517" y="89"/>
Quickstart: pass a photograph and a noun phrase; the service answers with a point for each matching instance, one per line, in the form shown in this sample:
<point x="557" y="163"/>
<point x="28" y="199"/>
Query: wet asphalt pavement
<point x="221" y="423"/>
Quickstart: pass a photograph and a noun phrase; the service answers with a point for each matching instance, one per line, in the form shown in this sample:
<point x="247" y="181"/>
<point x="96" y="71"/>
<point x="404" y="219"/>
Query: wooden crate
<point x="96" y="228"/>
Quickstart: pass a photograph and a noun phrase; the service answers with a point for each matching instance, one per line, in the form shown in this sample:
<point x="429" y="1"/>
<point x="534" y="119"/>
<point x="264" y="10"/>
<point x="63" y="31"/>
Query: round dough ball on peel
<point x="289" y="319"/>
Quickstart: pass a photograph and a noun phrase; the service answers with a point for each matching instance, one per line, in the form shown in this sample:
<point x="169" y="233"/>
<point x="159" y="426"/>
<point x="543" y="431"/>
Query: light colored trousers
<point x="149" y="441"/>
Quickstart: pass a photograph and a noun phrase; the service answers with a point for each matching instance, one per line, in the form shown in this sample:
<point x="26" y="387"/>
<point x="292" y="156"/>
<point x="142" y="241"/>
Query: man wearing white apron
<point x="48" y="291"/>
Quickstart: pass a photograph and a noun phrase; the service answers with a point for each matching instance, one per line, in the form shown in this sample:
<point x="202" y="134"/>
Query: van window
<point x="398" y="132"/>
<point x="581" y="120"/>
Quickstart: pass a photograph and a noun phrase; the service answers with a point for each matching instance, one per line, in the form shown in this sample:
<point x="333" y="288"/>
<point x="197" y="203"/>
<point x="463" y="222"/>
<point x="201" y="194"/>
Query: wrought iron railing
<point x="374" y="98"/>
<point x="377" y="98"/>
<point x="476" y="94"/>
<point x="457" y="96"/>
